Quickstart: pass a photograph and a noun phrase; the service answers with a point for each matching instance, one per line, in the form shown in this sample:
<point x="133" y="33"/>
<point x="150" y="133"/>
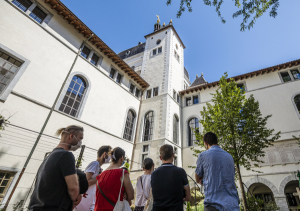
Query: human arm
<point x="198" y="178"/>
<point x="91" y="180"/>
<point x="90" y="170"/>
<point x="73" y="186"/>
<point x="199" y="170"/>
<point x="128" y="187"/>
<point x="187" y="193"/>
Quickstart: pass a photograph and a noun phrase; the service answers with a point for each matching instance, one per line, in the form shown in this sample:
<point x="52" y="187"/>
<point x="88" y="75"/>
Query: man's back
<point x="50" y="190"/>
<point x="216" y="166"/>
<point x="167" y="184"/>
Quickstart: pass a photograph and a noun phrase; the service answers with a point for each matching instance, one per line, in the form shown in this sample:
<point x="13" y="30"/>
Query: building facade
<point x="139" y="99"/>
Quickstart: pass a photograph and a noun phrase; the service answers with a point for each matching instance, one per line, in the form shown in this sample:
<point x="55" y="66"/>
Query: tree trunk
<point x="242" y="188"/>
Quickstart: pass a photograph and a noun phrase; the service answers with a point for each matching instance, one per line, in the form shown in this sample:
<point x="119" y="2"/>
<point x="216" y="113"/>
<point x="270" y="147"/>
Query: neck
<point x="148" y="172"/>
<point x="64" y="146"/>
<point x="168" y="161"/>
<point x="208" y="146"/>
<point x="100" y="161"/>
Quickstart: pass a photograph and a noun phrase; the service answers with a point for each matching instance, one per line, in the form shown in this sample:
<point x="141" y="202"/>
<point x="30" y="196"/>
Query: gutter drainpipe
<point x="45" y="124"/>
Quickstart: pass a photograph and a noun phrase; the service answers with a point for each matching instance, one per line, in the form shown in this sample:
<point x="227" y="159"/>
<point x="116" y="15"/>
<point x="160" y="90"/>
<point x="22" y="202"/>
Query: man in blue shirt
<point x="215" y="171"/>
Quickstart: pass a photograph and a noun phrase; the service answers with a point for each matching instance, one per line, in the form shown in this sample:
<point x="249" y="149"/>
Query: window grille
<point x="94" y="59"/>
<point x="38" y="15"/>
<point x="8" y="69"/>
<point x="155" y="91"/>
<point x="112" y="73"/>
<point x="192" y="124"/>
<point x="22" y="4"/>
<point x="5" y="180"/>
<point x="128" y="132"/>
<point x="85" y="52"/>
<point x="119" y="77"/>
<point x="148" y="126"/>
<point x="73" y="98"/>
<point x="175" y="129"/>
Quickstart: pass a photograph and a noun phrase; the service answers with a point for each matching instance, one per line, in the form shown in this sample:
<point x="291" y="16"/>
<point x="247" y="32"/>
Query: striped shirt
<point x="216" y="166"/>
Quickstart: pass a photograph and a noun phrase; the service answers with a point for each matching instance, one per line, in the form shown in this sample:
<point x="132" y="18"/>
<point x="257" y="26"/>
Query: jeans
<point x="210" y="208"/>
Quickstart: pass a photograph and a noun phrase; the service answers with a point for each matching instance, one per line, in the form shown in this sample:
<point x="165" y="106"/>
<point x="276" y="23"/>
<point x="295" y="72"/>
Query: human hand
<point x="125" y="196"/>
<point x="77" y="201"/>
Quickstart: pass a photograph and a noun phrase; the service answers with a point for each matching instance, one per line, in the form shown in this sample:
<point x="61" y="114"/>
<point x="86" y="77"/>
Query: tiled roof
<point x="199" y="81"/>
<point x="244" y="76"/>
<point x="132" y="51"/>
<point x="97" y="42"/>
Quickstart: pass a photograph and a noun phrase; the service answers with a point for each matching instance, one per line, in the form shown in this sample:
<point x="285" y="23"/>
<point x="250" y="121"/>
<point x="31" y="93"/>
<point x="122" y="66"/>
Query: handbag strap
<point x="121" y="185"/>
<point x="109" y="201"/>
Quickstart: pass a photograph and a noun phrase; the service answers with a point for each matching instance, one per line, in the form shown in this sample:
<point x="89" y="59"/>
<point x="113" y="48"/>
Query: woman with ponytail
<point x="109" y="183"/>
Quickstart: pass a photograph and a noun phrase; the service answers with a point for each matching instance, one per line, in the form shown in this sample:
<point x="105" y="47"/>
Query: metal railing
<point x="195" y="191"/>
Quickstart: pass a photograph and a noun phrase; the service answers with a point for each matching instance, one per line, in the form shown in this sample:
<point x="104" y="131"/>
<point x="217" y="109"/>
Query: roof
<point x="165" y="27"/>
<point x="244" y="76"/>
<point x="199" y="81"/>
<point x="95" y="40"/>
<point x="132" y="51"/>
<point x="186" y="73"/>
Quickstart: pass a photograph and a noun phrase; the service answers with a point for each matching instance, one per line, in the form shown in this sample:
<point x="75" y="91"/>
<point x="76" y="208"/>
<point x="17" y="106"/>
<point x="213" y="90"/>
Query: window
<point x="297" y="102"/>
<point x="148" y="126"/>
<point x="148" y="94"/>
<point x="155" y="91"/>
<point x="22" y="4"/>
<point x="5" y="180"/>
<point x="128" y="131"/>
<point x="291" y="200"/>
<point x="74" y="96"/>
<point x="137" y="92"/>
<point x="174" y="94"/>
<point x="112" y="73"/>
<point x="265" y="197"/>
<point x="188" y="101"/>
<point x="241" y="86"/>
<point x="295" y="74"/>
<point x="175" y="129"/>
<point x="285" y="76"/>
<point x="175" y="156"/>
<point x="132" y="88"/>
<point x="192" y="124"/>
<point x="145" y="148"/>
<point x="159" y="49"/>
<point x="176" y="46"/>
<point x="119" y="78"/>
<point x="178" y="98"/>
<point x="158" y="42"/>
<point x="85" y="52"/>
<point x="38" y="15"/>
<point x="94" y="59"/>
<point x="175" y="161"/>
<point x="176" y="56"/>
<point x="154" y="52"/>
<point x="144" y="156"/>
<point x="195" y="100"/>
<point x="8" y="69"/>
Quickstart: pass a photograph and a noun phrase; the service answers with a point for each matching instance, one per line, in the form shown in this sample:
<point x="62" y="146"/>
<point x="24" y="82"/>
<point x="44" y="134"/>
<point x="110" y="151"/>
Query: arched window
<point x="193" y="123"/>
<point x="175" y="129"/>
<point x="148" y="126"/>
<point x="74" y="96"/>
<point x="128" y="131"/>
<point x="297" y="102"/>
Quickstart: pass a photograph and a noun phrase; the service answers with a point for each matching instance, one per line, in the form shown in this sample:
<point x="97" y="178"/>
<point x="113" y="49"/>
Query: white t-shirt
<point x="88" y="203"/>
<point x="142" y="194"/>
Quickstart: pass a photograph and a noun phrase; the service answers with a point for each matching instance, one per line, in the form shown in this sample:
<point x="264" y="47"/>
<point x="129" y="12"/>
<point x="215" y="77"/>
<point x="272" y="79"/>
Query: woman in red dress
<point x="109" y="182"/>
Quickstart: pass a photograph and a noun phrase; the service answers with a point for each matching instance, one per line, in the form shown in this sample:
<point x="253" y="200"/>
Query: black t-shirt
<point x="167" y="184"/>
<point x="50" y="191"/>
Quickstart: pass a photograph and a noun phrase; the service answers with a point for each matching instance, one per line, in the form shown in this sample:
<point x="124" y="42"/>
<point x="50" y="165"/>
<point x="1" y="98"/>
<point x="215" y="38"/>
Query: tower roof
<point x="199" y="80"/>
<point x="132" y="51"/>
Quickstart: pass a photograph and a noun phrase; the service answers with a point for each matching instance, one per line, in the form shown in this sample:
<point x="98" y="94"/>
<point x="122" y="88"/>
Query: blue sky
<point x="211" y="46"/>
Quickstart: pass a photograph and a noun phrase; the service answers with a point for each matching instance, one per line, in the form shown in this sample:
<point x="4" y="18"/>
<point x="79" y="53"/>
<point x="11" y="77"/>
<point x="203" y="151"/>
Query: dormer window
<point x="158" y="42"/>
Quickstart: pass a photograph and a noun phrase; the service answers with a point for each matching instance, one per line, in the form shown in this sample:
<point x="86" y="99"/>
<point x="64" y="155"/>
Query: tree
<point x="239" y="125"/>
<point x="247" y="8"/>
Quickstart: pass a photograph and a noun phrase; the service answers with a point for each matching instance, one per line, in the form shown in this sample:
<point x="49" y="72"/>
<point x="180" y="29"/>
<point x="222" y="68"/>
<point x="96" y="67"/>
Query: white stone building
<point x="138" y="99"/>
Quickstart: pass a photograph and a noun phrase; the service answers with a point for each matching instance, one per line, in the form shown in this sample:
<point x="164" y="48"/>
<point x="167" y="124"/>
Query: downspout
<point x="137" y="127"/>
<point x="45" y="123"/>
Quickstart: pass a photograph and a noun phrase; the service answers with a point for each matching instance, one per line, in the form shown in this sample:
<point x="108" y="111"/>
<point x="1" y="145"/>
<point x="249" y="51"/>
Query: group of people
<point x="60" y="186"/>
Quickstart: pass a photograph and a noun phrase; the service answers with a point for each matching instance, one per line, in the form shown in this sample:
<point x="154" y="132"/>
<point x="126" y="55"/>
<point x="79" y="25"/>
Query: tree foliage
<point x="239" y="125"/>
<point x="250" y="10"/>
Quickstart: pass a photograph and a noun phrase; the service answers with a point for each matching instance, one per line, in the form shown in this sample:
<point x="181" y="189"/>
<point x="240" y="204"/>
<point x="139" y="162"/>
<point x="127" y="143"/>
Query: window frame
<point x="65" y="89"/>
<point x="4" y="95"/>
<point x="133" y="124"/>
<point x="159" y="50"/>
<point x="146" y="96"/>
<point x="114" y="75"/>
<point x="290" y="74"/>
<point x="121" y="79"/>
<point x="151" y="126"/>
<point x="144" y="153"/>
<point x="188" y="129"/>
<point x="153" y="91"/>
<point x="36" y="15"/>
<point x="186" y="98"/>
<point x="175" y="117"/>
<point x="294" y="104"/>
<point x="139" y="94"/>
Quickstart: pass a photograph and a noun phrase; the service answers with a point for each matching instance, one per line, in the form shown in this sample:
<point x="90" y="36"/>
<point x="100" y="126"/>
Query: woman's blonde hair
<point x="69" y="129"/>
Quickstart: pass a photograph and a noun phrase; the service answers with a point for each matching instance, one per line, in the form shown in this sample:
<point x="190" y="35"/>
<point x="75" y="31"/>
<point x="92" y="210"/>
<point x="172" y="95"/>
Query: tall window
<point x="73" y="98"/>
<point x="5" y="180"/>
<point x="297" y="102"/>
<point x="192" y="124"/>
<point x="8" y="69"/>
<point x="22" y="4"/>
<point x="128" y="132"/>
<point x="175" y="129"/>
<point x="148" y="126"/>
<point x="38" y="15"/>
